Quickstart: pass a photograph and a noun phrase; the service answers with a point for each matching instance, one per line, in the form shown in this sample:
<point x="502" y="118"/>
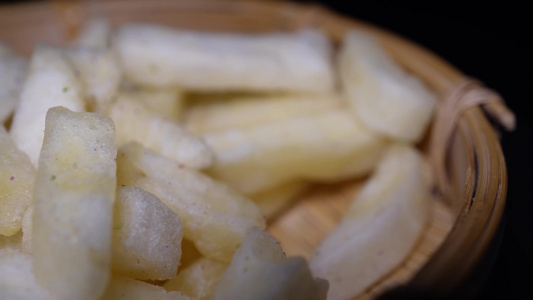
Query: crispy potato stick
<point x="163" y="57"/>
<point x="260" y="270"/>
<point x="73" y="204"/>
<point x="325" y="146"/>
<point x="50" y="82"/>
<point x="135" y="123"/>
<point x="17" y="177"/>
<point x="223" y="113"/>
<point x="380" y="228"/>
<point x="215" y="217"/>
<point x="17" y="280"/>
<point x="385" y="97"/>
<point x="131" y="289"/>
<point x="146" y="236"/>
<point x="13" y="69"/>
<point x="99" y="74"/>
<point x="165" y="103"/>
<point x="276" y="199"/>
<point x="96" y="34"/>
<point x="198" y="280"/>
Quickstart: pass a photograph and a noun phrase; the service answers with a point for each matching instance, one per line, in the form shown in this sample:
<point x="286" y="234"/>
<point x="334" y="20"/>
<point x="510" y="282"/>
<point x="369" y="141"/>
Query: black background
<point x="493" y="42"/>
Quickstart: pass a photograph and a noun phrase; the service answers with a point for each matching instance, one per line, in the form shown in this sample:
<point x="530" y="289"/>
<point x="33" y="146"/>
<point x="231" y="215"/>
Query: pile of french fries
<point x="144" y="162"/>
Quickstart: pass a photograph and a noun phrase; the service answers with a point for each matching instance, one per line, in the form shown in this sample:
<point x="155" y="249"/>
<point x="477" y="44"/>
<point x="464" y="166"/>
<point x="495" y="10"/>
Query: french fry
<point x="13" y="69"/>
<point x="379" y="229"/>
<point x="324" y="146"/>
<point x="17" y="177"/>
<point x="131" y="289"/>
<point x="259" y="270"/>
<point x="73" y="204"/>
<point x="17" y="280"/>
<point x="99" y="74"/>
<point x="198" y="281"/>
<point x="163" y="57"/>
<point x="146" y="236"/>
<point x="50" y="82"/>
<point x="215" y="217"/>
<point x="385" y="97"/>
<point x="136" y="123"/>
<point x="225" y="113"/>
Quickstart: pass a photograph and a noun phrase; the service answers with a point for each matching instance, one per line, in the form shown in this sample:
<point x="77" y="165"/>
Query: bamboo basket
<point x="466" y="216"/>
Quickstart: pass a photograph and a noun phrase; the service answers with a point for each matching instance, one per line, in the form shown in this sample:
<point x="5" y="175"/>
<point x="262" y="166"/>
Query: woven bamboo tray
<point x="466" y="215"/>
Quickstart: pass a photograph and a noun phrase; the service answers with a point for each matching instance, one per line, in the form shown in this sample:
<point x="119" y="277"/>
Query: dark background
<point x="490" y="41"/>
<point x="493" y="42"/>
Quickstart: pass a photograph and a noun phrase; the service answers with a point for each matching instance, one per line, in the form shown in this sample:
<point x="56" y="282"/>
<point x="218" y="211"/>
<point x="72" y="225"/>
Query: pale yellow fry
<point x="146" y="236"/>
<point x="50" y="82"/>
<point x="214" y="216"/>
<point x="259" y="270"/>
<point x="223" y="113"/>
<point x="99" y="75"/>
<point x="379" y="229"/>
<point x="131" y="289"/>
<point x="135" y="123"/>
<point x="385" y="97"/>
<point x="73" y="204"/>
<point x="17" y="177"/>
<point x="162" y="57"/>
<point x="198" y="280"/>
<point x="324" y="146"/>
